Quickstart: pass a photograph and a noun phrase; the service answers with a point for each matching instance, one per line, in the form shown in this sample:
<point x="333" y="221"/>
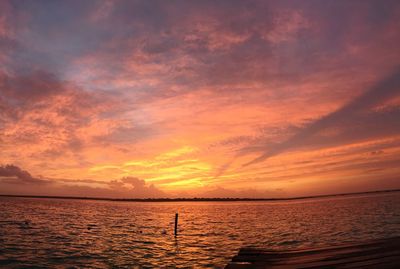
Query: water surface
<point x="103" y="234"/>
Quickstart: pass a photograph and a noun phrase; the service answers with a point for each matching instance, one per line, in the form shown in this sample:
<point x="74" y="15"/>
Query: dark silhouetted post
<point x="176" y="224"/>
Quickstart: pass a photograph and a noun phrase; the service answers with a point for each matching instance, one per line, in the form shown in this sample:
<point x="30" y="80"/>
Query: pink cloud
<point x="88" y="88"/>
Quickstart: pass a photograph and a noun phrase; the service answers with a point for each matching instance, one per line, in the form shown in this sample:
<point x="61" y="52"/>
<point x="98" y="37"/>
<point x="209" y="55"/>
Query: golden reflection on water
<point x="102" y="234"/>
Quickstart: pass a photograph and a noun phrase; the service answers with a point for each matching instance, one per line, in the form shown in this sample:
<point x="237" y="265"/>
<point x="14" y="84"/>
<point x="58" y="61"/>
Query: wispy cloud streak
<point x="382" y="91"/>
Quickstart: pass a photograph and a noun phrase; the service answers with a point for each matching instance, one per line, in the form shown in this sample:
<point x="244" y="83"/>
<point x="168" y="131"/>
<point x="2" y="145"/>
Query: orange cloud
<point x="184" y="95"/>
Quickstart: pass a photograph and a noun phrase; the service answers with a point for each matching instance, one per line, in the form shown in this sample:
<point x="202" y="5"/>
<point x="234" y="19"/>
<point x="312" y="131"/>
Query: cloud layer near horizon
<point x="307" y="92"/>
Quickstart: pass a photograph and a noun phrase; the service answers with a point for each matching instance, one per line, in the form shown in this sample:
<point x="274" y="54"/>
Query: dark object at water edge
<point x="382" y="253"/>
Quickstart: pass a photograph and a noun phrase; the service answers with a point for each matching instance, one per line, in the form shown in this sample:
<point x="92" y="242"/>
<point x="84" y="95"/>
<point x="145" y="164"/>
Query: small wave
<point x="289" y="242"/>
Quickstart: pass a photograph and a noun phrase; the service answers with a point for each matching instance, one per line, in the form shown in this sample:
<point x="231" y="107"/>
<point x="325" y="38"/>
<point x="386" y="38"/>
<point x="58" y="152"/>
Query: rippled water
<point x="102" y="234"/>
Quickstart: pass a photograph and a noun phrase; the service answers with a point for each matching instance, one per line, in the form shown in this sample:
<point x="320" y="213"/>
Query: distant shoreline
<point x="196" y="199"/>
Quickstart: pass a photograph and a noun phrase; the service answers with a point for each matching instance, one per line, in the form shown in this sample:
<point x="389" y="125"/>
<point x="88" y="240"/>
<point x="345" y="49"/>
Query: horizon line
<point x="194" y="199"/>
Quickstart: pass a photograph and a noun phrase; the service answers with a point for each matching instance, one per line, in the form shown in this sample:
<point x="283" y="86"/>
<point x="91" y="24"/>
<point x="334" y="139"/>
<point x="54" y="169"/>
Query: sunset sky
<point x="199" y="98"/>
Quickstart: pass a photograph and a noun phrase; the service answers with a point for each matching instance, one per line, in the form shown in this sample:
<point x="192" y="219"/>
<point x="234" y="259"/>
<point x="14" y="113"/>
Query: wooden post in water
<point x="176" y="224"/>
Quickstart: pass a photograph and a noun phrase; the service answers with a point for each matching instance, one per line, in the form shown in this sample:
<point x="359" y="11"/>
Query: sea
<point x="65" y="233"/>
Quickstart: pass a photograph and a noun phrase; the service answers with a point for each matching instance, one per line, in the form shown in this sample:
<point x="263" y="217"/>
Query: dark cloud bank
<point x="14" y="180"/>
